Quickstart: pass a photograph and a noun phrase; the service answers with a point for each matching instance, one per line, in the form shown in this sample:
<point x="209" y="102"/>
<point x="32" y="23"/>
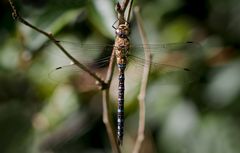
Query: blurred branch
<point x="142" y="94"/>
<point x="120" y="9"/>
<point x="108" y="123"/>
<point x="106" y="109"/>
<point x="129" y="11"/>
<point x="19" y="18"/>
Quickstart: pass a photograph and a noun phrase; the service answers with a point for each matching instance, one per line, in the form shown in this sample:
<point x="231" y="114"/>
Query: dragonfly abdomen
<point x="120" y="114"/>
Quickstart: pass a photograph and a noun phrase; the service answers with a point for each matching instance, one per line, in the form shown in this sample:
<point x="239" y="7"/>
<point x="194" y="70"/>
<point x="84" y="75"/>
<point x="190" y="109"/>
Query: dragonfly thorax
<point x="123" y="31"/>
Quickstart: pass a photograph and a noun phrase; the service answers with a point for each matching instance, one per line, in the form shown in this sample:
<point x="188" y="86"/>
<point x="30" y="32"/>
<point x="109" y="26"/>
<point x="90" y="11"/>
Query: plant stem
<point x="142" y="94"/>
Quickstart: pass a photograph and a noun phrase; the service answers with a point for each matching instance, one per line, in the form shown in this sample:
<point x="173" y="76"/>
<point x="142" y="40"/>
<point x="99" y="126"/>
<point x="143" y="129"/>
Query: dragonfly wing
<point x="89" y="53"/>
<point x="171" y="62"/>
<point x="94" y="56"/>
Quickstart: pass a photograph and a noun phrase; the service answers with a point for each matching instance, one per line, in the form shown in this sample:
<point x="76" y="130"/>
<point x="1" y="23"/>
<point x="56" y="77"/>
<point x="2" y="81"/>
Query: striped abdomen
<point x="120" y="114"/>
<point x="121" y="51"/>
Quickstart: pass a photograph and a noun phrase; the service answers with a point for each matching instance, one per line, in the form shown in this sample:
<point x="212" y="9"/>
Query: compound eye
<point x="118" y="32"/>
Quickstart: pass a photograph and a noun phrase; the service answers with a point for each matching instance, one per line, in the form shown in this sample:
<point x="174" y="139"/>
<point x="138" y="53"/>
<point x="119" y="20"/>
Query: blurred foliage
<point x="60" y="112"/>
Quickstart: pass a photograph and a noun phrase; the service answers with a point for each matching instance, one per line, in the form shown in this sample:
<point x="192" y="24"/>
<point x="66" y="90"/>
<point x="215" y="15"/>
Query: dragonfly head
<point x="123" y="30"/>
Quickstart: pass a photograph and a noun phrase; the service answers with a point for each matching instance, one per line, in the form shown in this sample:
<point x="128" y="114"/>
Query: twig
<point x="129" y="11"/>
<point x="142" y="94"/>
<point x="124" y="5"/>
<point x="106" y="109"/>
<point x="18" y="17"/>
<point x="108" y="123"/>
<point x="111" y="67"/>
<point x="120" y="9"/>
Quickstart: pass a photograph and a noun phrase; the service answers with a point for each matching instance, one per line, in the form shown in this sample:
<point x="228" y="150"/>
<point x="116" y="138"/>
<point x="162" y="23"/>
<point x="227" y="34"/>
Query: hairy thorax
<point x="121" y="49"/>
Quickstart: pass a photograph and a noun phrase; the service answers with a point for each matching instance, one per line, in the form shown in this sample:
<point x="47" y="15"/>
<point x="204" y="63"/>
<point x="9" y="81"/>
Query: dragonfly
<point x="127" y="54"/>
<point x="121" y="50"/>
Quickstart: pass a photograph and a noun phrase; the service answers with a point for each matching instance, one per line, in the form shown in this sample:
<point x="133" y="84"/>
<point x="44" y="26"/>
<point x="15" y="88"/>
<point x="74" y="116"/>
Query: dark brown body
<point x="121" y="48"/>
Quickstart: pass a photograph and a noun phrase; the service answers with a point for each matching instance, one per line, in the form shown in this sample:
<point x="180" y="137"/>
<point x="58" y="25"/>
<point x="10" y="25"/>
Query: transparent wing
<point x="169" y="74"/>
<point x="90" y="54"/>
<point x="172" y="63"/>
<point x="94" y="56"/>
<point x="160" y="51"/>
<point x="171" y="60"/>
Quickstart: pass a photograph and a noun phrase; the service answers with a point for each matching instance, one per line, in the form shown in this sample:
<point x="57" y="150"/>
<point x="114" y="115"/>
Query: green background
<point x="47" y="111"/>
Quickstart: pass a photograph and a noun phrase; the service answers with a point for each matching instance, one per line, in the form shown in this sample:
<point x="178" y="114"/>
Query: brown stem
<point x="142" y="94"/>
<point x="110" y="69"/>
<point x="108" y="123"/>
<point x="124" y="5"/>
<point x="129" y="11"/>
<point x="106" y="110"/>
<point x="120" y="9"/>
